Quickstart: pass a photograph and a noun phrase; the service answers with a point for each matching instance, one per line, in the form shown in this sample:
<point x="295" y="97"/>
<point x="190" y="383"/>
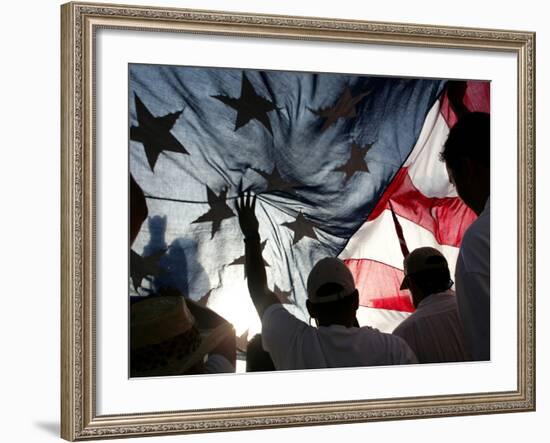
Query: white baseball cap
<point x="329" y="270"/>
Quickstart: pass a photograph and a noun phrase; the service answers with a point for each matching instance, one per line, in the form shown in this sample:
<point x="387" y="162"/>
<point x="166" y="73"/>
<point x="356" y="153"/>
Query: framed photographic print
<point x="256" y="209"/>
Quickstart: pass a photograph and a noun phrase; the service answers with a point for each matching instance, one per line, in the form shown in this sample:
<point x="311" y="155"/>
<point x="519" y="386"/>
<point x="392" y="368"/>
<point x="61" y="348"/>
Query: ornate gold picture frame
<point x="81" y="22"/>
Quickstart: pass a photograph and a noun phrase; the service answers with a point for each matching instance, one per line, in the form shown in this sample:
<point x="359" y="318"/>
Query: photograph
<point x="275" y="221"/>
<point x="258" y="207"/>
<point x="283" y="220"/>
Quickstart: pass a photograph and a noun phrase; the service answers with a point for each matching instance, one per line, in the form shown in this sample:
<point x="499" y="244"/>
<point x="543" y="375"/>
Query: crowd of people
<point x="447" y="325"/>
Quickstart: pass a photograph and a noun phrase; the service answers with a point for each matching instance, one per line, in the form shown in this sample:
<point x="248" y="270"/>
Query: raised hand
<point x="261" y="295"/>
<point x="246" y="204"/>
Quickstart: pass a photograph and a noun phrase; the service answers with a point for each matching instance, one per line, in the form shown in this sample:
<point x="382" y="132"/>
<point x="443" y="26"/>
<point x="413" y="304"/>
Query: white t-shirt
<point x="294" y="344"/>
<point x="472" y="277"/>
<point x="434" y="331"/>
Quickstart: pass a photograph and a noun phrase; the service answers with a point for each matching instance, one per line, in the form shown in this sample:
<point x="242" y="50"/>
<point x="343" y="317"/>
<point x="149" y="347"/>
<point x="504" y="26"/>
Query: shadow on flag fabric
<point x="324" y="152"/>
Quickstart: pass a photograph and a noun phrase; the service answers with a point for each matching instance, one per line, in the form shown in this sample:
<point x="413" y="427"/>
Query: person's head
<point x="426" y="272"/>
<point x="332" y="296"/>
<point x="466" y="154"/>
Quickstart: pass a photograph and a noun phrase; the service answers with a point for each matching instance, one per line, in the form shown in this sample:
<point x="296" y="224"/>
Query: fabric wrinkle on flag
<point x="426" y="206"/>
<point x="309" y="206"/>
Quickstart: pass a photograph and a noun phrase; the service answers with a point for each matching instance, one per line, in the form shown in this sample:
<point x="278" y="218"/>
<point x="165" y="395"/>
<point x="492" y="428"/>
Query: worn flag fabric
<point x="326" y="154"/>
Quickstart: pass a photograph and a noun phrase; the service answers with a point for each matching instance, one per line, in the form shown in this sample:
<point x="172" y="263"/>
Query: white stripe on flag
<point x="385" y="320"/>
<point x="376" y="240"/>
<point x="428" y="172"/>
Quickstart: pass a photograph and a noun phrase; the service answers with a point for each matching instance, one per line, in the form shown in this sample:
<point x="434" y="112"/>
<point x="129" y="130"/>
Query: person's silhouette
<point x="467" y="157"/>
<point x="332" y="301"/>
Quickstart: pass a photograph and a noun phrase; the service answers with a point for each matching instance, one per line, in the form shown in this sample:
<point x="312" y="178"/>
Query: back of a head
<point x="433" y="281"/>
<point x="331" y="294"/>
<point x="469" y="138"/>
<point x="329" y="270"/>
<point x="428" y="269"/>
<point x="336" y="311"/>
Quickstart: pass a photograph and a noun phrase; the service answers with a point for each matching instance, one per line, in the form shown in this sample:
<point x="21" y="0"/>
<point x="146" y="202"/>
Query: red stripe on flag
<point x="378" y="285"/>
<point x="447" y="218"/>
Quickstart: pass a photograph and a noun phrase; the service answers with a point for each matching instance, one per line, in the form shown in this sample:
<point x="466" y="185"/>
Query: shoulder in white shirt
<point x="293" y="344"/>
<point x="434" y="331"/>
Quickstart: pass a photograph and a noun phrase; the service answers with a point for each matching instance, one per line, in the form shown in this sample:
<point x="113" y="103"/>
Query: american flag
<point x="343" y="165"/>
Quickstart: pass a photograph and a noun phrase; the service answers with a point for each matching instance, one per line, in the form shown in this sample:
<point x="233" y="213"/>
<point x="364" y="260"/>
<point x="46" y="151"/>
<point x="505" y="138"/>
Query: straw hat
<point x="165" y="339"/>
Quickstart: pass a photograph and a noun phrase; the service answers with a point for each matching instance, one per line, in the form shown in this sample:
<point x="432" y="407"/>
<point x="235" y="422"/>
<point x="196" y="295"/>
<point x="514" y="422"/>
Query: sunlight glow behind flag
<point x="324" y="153"/>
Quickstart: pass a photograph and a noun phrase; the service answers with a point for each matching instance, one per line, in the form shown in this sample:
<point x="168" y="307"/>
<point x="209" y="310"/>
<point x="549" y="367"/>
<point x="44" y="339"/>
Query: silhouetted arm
<point x="261" y="295"/>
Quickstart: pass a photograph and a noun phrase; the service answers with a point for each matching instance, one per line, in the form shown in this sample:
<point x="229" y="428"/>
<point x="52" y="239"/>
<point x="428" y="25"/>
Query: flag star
<point x="356" y="161"/>
<point x="249" y="106"/>
<point x="219" y="210"/>
<point x="302" y="228"/>
<point x="283" y="296"/>
<point x="154" y="133"/>
<point x="141" y="267"/>
<point x="242" y="259"/>
<point x="275" y="182"/>
<point x="344" y="108"/>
